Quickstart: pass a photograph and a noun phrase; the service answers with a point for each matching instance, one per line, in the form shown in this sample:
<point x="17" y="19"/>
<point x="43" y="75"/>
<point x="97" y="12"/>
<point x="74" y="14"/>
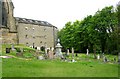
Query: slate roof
<point x="31" y="21"/>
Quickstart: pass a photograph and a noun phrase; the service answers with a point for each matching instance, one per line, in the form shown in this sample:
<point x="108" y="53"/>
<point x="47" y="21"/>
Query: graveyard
<point x="28" y="64"/>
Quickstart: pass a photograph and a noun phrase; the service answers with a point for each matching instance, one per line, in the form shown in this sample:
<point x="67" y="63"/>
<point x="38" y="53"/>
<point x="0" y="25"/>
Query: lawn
<point x="31" y="67"/>
<point x="14" y="67"/>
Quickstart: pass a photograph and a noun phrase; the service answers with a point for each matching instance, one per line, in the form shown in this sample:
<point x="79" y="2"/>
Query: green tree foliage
<point x="97" y="32"/>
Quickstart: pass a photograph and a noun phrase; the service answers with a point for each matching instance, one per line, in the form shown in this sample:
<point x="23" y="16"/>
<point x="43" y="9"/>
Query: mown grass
<point x="54" y="68"/>
<point x="86" y="66"/>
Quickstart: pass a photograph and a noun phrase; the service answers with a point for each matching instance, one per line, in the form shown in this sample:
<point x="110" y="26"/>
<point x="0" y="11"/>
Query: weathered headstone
<point x="87" y="52"/>
<point x="105" y="59"/>
<point x="38" y="48"/>
<point x="21" y="49"/>
<point x="98" y="57"/>
<point x="114" y="60"/>
<point x="50" y="54"/>
<point x="103" y="55"/>
<point x="72" y="52"/>
<point x="73" y="60"/>
<point x="12" y="47"/>
<point x="68" y="52"/>
<point x="40" y="57"/>
<point x="7" y="50"/>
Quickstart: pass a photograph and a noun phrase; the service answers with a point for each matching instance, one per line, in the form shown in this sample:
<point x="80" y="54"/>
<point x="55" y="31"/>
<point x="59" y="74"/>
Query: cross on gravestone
<point x="72" y="52"/>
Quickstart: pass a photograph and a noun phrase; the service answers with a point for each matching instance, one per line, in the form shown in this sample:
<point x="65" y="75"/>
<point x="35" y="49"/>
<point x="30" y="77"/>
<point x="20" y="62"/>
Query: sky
<point x="59" y="12"/>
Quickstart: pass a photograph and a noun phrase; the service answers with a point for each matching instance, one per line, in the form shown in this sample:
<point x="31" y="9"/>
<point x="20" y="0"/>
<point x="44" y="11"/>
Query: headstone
<point x="98" y="57"/>
<point x="119" y="58"/>
<point x="38" y="48"/>
<point x="87" y="52"/>
<point x="103" y="55"/>
<point x="73" y="60"/>
<point x="40" y="57"/>
<point x="68" y="52"/>
<point x="72" y="52"/>
<point x="105" y="59"/>
<point x="21" y="49"/>
<point x="12" y="47"/>
<point x="50" y="54"/>
<point x="114" y="60"/>
<point x="7" y="50"/>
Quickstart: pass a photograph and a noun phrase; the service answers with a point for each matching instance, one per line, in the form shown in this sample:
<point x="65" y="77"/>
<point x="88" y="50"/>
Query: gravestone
<point x="12" y="47"/>
<point x="38" y="48"/>
<point x="98" y="57"/>
<point x="73" y="60"/>
<point x="87" y="52"/>
<point x="105" y="59"/>
<point x="68" y="52"/>
<point x="114" y="60"/>
<point x="21" y="49"/>
<point x="72" y="52"/>
<point x="103" y="55"/>
<point x="50" y="54"/>
<point x="40" y="58"/>
<point x="7" y="50"/>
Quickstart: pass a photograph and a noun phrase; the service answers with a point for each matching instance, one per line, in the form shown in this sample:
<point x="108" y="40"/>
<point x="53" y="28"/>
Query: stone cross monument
<point x="58" y="50"/>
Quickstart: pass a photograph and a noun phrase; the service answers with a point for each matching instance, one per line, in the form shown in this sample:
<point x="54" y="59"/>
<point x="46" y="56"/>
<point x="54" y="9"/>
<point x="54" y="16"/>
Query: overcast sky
<point x="58" y="12"/>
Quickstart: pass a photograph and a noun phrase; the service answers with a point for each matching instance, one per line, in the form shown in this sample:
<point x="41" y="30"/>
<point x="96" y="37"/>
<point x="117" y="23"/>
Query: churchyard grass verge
<point x="29" y="66"/>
